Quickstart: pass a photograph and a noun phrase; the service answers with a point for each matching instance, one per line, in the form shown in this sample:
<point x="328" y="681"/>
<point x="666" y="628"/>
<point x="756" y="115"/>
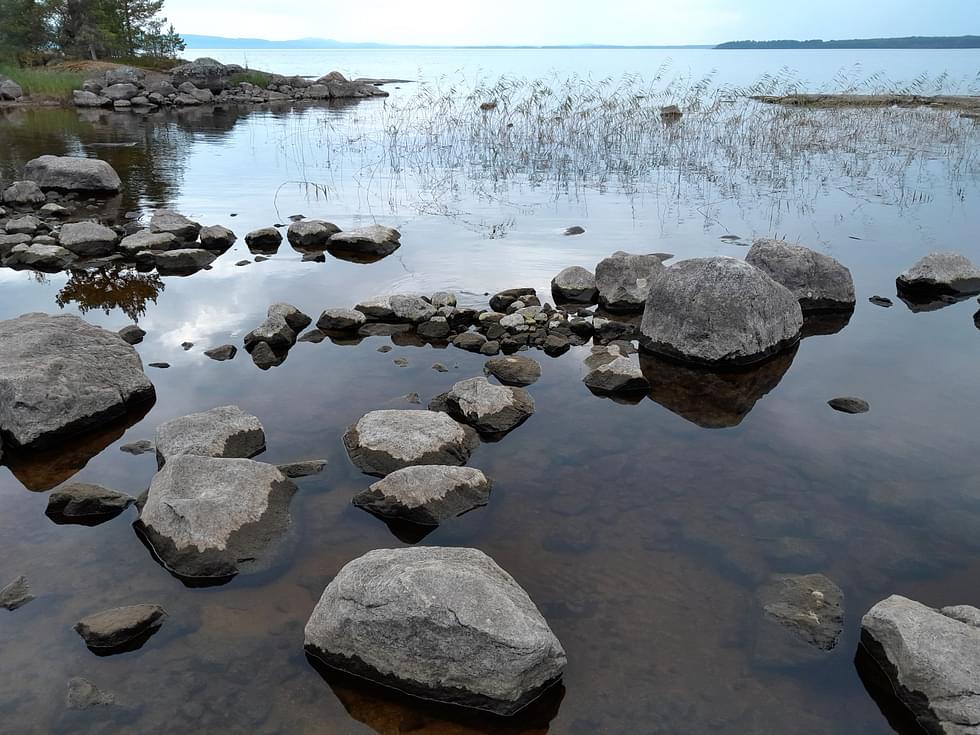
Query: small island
<point x="907" y="42"/>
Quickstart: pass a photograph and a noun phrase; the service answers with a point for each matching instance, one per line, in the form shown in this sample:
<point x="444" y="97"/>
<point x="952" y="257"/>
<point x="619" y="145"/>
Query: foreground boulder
<point x="719" y="311"/>
<point x="384" y="441"/>
<point x="942" y="273"/>
<point x="225" y="431"/>
<point x="426" y="495"/>
<point x="818" y="281"/>
<point x="932" y="659"/>
<point x="210" y="518"/>
<point x="445" y="624"/>
<point x="120" y="629"/>
<point x="61" y="376"/>
<point x="488" y="408"/>
<point x="623" y="280"/>
<point x="70" y="173"/>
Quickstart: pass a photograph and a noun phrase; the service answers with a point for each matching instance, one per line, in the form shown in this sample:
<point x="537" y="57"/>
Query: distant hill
<point x="912" y="42"/>
<point x="220" y="42"/>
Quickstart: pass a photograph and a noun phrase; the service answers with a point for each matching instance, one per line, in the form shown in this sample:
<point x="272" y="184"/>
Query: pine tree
<point x="23" y="30"/>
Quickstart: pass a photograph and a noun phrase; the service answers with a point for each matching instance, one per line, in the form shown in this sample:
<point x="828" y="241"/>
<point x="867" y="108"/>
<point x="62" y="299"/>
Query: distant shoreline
<point x="908" y="42"/>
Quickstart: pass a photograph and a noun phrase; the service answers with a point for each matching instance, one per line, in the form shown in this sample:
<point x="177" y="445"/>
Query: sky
<point x="546" y="22"/>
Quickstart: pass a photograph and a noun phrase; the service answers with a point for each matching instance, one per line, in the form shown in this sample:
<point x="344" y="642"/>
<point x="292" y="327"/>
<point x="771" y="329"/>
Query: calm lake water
<point x="642" y="531"/>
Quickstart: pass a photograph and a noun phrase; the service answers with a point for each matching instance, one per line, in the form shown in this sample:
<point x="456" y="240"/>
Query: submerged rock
<point x="847" y="404"/>
<point x="932" y="659"/>
<point x="62" y="376"/>
<point x="942" y="273"/>
<point x="120" y="629"/>
<point x="72" y="174"/>
<point x="16" y="594"/>
<point x="384" y="441"/>
<point x="802" y="618"/>
<point x="211" y="518"/>
<point x="305" y="468"/>
<point x="719" y="311"/>
<point x="83" y="694"/>
<point x="575" y="284"/>
<point x="83" y="500"/>
<point x="426" y="495"/>
<point x="445" y="624"/>
<point x="623" y="280"/>
<point x="224" y="431"/>
<point x="515" y="370"/>
<point x="488" y="408"/>
<point x="818" y="281"/>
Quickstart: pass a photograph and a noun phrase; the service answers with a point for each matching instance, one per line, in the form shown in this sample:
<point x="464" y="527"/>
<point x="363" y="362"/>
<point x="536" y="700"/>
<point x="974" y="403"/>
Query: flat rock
<point x="719" y="311"/>
<point x="222" y="353"/>
<point x="62" y="376"/>
<point x="818" y="281"/>
<point x="515" y="370"/>
<point x="932" y="659"/>
<point x="305" y="468"/>
<point x="469" y="341"/>
<point x="83" y="500"/>
<point x="623" y="280"/>
<point x="488" y="408"/>
<point x="26" y="225"/>
<point x="942" y="273"/>
<point x="148" y="240"/>
<point x="46" y="258"/>
<point x="374" y="240"/>
<point x="622" y="374"/>
<point x="576" y="285"/>
<point x="16" y="594"/>
<point x="83" y="694"/>
<point x="426" y="495"/>
<point x="211" y="518"/>
<point x="173" y="223"/>
<point x="384" y="441"/>
<point x="224" y="431"/>
<point x="848" y="404"/>
<point x="121" y="628"/>
<point x="88" y="239"/>
<point x="72" y="174"/>
<point x="446" y="624"/>
<point x="802" y="617"/>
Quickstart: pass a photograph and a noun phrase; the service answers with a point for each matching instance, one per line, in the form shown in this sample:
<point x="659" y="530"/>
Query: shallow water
<point x="641" y="531"/>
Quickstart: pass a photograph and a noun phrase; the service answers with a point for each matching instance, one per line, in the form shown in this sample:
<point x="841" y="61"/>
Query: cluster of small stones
<point x="206" y="81"/>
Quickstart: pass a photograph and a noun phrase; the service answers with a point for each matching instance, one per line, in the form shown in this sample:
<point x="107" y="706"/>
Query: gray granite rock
<point x="311" y="233"/>
<point x="275" y="332"/>
<point x="183" y="260"/>
<point x="719" y="311"/>
<point x="374" y="240"/>
<point x="62" y="376"/>
<point x="932" y="658"/>
<point x="23" y="194"/>
<point x="802" y="617"/>
<point x="515" y="370"/>
<point x="26" y="225"/>
<point x="436" y="328"/>
<point x="217" y="238"/>
<point x="10" y="90"/>
<point x="445" y="624"/>
<point x="942" y="272"/>
<point x="621" y="374"/>
<point x="411" y="309"/>
<point x="306" y="468"/>
<point x="120" y="628"/>
<point x="83" y="98"/>
<point x="72" y="174"/>
<point x="222" y="353"/>
<point x="818" y="281"/>
<point x="295" y="319"/>
<point x="503" y="300"/>
<point x="488" y="408"/>
<point x="265" y="357"/>
<point x="167" y="221"/>
<point x="224" y="431"/>
<point x="623" y="280"/>
<point x="384" y="441"/>
<point x="575" y="284"/>
<point x="848" y="404"/>
<point x="211" y="518"/>
<point x="264" y="240"/>
<point x="46" y="258"/>
<point x="377" y="309"/>
<point x="88" y="239"/>
<point x="132" y="334"/>
<point x="426" y="495"/>
<point x="16" y="594"/>
<point x="340" y="320"/>
<point x="148" y="240"/>
<point x="121" y="91"/>
<point x="83" y="500"/>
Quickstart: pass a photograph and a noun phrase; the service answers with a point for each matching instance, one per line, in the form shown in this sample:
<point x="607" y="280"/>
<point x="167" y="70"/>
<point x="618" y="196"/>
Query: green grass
<point x="258" y="78"/>
<point x="41" y="82"/>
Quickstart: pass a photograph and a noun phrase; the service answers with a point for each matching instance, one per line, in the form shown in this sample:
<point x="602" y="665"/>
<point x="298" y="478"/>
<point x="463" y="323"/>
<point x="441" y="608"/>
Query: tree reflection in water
<point x="111" y="288"/>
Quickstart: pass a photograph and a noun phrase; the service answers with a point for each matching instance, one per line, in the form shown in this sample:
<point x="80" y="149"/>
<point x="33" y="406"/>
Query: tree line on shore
<point x="33" y="31"/>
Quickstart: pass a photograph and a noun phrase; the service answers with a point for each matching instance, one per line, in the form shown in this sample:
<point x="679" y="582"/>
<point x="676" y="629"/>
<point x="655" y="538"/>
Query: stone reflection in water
<point x="817" y="323"/>
<point x="709" y="398"/>
<point x="111" y="288"/>
<point x="41" y="470"/>
<point x="388" y="712"/>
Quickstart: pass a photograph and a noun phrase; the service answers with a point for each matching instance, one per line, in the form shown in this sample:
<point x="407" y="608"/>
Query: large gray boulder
<point x="264" y="240"/>
<point x="124" y="75"/>
<point x="623" y="280"/>
<point x="719" y="311"/>
<point x="211" y="517"/>
<point x="373" y="241"/>
<point x="122" y="91"/>
<point x="575" y="284"/>
<point x="181" y="227"/>
<point x="932" y="658"/>
<point x="72" y="173"/>
<point x="23" y="194"/>
<point x="88" y="239"/>
<point x="489" y="408"/>
<point x="61" y="376"/>
<point x="445" y="624"/>
<point x="224" y="431"/>
<point x="818" y="281"/>
<point x="942" y="273"/>
<point x="205" y="73"/>
<point x="426" y="495"/>
<point x="384" y="441"/>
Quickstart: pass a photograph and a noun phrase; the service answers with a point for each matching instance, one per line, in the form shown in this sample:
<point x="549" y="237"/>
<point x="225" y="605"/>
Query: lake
<point x="642" y="530"/>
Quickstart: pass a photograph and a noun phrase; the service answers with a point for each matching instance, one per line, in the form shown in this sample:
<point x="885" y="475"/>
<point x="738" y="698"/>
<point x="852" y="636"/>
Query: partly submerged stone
<point x="719" y="311"/>
<point x="503" y="300"/>
<point x="217" y="238"/>
<point x="45" y="258"/>
<point x="942" y="273"/>
<point x="575" y="284"/>
<point x="72" y="173"/>
<point x="384" y="441"/>
<point x="411" y="309"/>
<point x="514" y="370"/>
<point x="426" y="495"/>
<point x="849" y="404"/>
<point x="620" y="374"/>
<point x="374" y="240"/>
<point x="211" y="518"/>
<point x="623" y="280"/>
<point x="148" y="240"/>
<point x="445" y="624"/>
<point x="311" y="233"/>
<point x="84" y="500"/>
<point x="932" y="659"/>
<point x="183" y="261"/>
<point x="87" y="239"/>
<point x="488" y="408"/>
<point x="224" y="431"/>
<point x="16" y="594"/>
<point x="802" y="617"/>
<point x="818" y="281"/>
<point x="173" y="223"/>
<point x="120" y="629"/>
<point x="264" y="240"/>
<point x="61" y="376"/>
<point x="304" y="468"/>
